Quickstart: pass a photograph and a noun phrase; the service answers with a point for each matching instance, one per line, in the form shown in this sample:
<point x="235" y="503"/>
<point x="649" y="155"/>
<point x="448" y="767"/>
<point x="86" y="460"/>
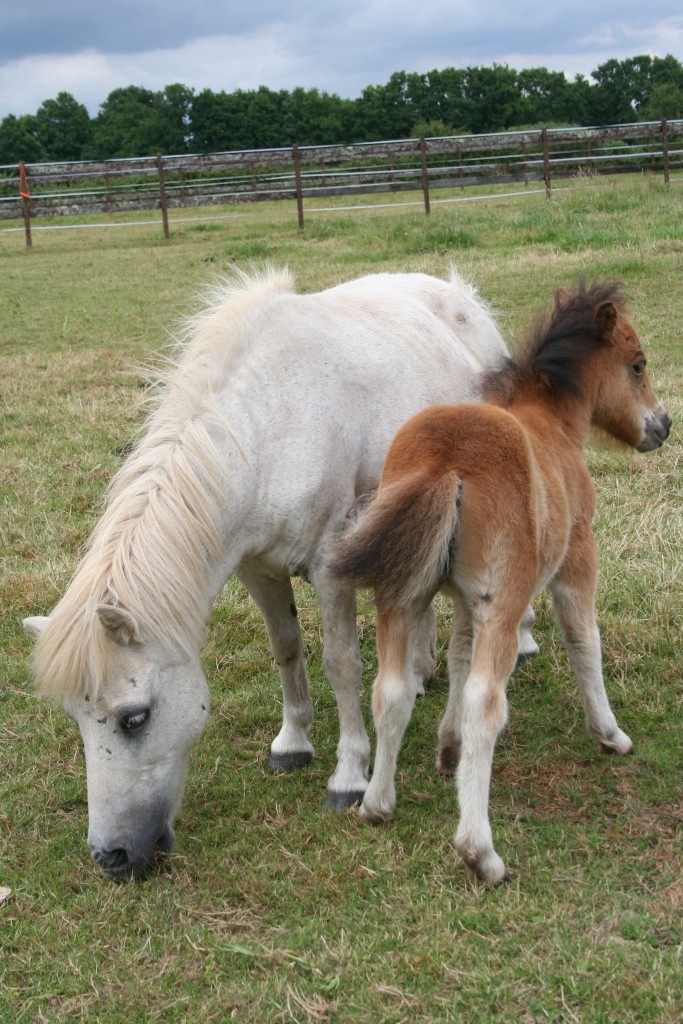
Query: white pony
<point x="277" y="415"/>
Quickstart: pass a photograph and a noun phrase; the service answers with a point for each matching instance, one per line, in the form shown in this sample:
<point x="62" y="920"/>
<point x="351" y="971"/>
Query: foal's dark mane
<point x="553" y="356"/>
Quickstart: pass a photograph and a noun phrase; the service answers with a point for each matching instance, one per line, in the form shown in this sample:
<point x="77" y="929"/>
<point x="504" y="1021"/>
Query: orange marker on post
<point x="24" y="190"/>
<point x="25" y="193"/>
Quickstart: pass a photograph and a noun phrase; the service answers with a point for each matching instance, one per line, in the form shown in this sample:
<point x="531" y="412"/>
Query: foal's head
<point x="589" y="353"/>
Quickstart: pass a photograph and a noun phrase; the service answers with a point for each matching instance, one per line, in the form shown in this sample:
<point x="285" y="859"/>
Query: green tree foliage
<point x="138" y="122"/>
<point x="63" y="127"/>
<point x="623" y="88"/>
<point x="19" y="140"/>
<point x="664" y="100"/>
<point x="134" y="121"/>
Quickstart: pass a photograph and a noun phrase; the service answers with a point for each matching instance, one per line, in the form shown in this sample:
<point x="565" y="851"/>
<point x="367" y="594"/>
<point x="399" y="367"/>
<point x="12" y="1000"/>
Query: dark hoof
<point x="341" y="800"/>
<point x="289" y="762"/>
<point x="523" y="658"/>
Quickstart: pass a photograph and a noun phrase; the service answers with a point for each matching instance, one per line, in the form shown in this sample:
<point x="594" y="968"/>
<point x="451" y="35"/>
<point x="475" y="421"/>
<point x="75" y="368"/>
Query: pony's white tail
<point x="403" y="542"/>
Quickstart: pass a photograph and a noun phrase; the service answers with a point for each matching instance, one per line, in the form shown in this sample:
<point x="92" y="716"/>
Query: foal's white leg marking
<point x="341" y="661"/>
<point x="484" y="714"/>
<point x="393" y="698"/>
<point x="582" y="640"/>
<point x="291" y="748"/>
<point x="424" y="660"/>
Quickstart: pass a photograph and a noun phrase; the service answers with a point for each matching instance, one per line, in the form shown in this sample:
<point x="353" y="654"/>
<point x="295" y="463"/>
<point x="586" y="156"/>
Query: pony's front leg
<point x="393" y="697"/>
<point x="573" y="593"/>
<point x="291" y="748"/>
<point x="341" y="661"/>
<point x="484" y="714"/>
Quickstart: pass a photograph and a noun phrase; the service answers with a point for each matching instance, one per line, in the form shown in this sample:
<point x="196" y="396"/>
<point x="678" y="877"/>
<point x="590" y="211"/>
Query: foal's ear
<point x="560" y="299"/>
<point x="119" y="623"/>
<point x="605" y="319"/>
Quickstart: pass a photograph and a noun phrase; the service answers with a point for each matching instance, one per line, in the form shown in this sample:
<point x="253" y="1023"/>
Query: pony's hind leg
<point x="393" y="697"/>
<point x="342" y="664"/>
<point x="483" y="716"/>
<point x="459" y="660"/>
<point x="291" y="748"/>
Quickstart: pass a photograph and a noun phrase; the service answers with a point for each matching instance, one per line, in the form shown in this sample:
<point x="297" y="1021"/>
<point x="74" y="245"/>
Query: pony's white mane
<point x="159" y="537"/>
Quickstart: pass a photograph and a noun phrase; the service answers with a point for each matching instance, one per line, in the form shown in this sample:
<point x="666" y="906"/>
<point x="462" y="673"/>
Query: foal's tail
<point x="402" y="544"/>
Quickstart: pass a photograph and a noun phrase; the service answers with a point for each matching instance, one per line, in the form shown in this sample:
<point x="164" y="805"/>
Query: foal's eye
<point x="639" y="368"/>
<point x="131" y="721"/>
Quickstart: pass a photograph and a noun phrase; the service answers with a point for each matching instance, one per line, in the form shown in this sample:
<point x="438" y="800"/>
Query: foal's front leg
<point x="393" y="697"/>
<point x="459" y="660"/>
<point x="573" y="592"/>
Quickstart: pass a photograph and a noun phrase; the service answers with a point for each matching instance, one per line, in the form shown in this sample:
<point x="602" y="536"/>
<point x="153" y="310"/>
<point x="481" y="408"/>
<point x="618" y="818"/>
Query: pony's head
<point x="138" y="722"/>
<point x="589" y="354"/>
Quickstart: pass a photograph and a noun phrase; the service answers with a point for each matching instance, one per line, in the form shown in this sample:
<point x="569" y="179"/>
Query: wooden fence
<point x="310" y="172"/>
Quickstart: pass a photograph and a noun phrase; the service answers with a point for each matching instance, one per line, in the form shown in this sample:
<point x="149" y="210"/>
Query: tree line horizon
<point x="134" y="121"/>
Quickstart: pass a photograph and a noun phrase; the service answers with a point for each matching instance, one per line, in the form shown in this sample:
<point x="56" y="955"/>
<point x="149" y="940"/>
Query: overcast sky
<point x="337" y="46"/>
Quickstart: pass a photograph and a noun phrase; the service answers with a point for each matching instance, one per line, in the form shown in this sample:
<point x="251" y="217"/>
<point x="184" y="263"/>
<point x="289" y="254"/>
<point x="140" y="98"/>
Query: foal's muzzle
<point x="657" y="429"/>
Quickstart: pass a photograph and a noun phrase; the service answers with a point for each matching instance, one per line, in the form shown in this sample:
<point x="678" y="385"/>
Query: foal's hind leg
<point x="291" y="748"/>
<point x="393" y="697"/>
<point x="573" y="591"/>
<point x="484" y="714"/>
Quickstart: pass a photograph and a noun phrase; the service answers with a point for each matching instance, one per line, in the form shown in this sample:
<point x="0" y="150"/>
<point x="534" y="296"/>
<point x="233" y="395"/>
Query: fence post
<point x="25" y="193"/>
<point x="162" y="195"/>
<point x="425" y="178"/>
<point x="296" y="157"/>
<point x="546" y="162"/>
<point x="665" y="149"/>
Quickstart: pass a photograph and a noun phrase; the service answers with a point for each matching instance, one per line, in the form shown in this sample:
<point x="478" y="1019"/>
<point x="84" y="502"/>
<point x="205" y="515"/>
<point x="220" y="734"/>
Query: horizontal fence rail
<point x="35" y="190"/>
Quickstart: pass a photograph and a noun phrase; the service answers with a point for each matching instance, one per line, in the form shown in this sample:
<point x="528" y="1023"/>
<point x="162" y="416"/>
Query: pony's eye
<point x="639" y="368"/>
<point x="133" y="720"/>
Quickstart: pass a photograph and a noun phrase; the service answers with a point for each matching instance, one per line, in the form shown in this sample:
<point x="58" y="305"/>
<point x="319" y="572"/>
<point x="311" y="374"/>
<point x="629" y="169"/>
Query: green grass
<point x="271" y="908"/>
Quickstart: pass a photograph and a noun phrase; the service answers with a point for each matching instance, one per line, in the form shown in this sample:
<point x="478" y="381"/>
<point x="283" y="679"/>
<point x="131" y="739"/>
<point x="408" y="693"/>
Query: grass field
<point x="270" y="907"/>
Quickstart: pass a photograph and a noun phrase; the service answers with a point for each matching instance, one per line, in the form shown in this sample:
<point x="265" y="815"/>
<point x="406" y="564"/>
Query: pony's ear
<point x="605" y="319"/>
<point x="119" y="623"/>
<point x="560" y="299"/>
<point x="35" y="624"/>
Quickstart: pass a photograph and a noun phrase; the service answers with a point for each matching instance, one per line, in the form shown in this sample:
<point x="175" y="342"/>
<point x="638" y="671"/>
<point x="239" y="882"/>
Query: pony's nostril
<point x="113" y="862"/>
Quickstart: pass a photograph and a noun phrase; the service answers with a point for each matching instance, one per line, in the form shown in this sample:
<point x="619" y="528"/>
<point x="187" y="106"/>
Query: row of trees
<point x="138" y="122"/>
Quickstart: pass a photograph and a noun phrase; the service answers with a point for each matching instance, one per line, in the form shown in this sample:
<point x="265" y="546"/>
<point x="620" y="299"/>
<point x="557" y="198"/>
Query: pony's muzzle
<point x="123" y="862"/>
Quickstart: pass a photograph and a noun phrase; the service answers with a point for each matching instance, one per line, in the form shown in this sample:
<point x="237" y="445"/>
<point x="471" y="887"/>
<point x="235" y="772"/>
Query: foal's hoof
<point x="340" y="801"/>
<point x="289" y="762"/>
